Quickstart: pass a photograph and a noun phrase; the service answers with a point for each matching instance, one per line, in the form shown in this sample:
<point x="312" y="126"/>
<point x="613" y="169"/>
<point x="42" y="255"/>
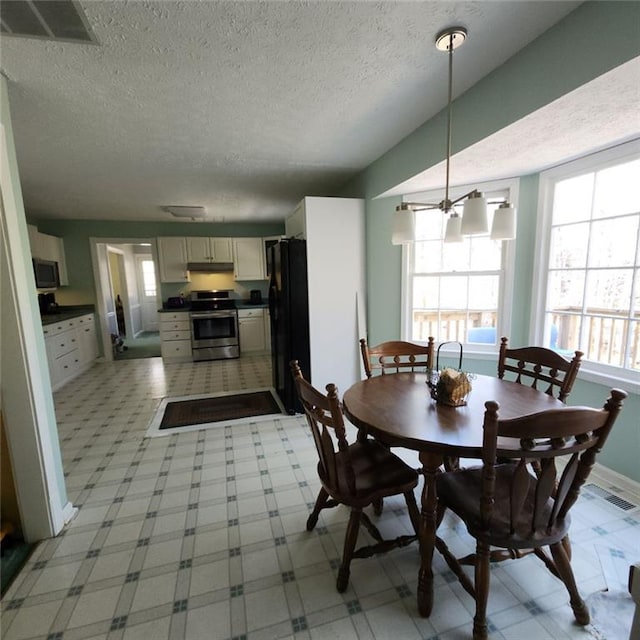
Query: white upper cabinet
<point x="172" y="258"/>
<point x="209" y="250"/>
<point x="48" y="247"/>
<point x="249" y="259"/>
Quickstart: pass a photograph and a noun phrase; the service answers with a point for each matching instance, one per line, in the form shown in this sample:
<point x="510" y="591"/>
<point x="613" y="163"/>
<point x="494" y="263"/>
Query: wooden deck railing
<point x="604" y="336"/>
<point x="604" y="333"/>
<point x="452" y="325"/>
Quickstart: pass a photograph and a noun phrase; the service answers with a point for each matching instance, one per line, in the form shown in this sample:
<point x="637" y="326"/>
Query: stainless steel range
<point x="214" y="325"/>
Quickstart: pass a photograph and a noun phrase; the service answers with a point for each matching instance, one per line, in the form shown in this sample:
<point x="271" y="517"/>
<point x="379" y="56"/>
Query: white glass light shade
<point x="404" y="226"/>
<point x="180" y="211"/>
<point x="474" y="215"/>
<point x="452" y="232"/>
<point x="504" y="222"/>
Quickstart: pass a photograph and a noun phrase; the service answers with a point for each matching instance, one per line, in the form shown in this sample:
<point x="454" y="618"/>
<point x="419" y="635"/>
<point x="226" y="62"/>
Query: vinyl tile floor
<point x="201" y="535"/>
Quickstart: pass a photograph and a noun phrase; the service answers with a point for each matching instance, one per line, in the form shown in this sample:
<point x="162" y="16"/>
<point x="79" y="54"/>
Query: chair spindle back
<point x="395" y="356"/>
<point x="576" y="432"/>
<point x="543" y="366"/>
<point x="325" y="419"/>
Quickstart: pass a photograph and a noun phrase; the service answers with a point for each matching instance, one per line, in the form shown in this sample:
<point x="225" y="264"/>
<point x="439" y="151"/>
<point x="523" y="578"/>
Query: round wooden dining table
<point x="398" y="410"/>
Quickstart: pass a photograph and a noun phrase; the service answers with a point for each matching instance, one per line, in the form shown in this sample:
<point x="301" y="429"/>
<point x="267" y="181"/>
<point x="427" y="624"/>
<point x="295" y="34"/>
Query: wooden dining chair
<point x="354" y="475"/>
<point x="541" y="366"/>
<point x="506" y="506"/>
<point x="395" y="356"/>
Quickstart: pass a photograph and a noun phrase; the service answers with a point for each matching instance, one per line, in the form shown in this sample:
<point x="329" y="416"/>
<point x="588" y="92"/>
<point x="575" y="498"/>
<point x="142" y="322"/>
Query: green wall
<point x="76" y="235"/>
<point x="595" y="38"/>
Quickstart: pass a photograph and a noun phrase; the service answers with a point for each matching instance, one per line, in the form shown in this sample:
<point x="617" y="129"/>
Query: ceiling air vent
<point x="61" y="20"/>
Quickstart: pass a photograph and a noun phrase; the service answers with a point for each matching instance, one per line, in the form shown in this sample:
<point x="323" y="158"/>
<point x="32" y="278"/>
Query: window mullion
<point x="635" y="286"/>
<point x="434" y="256"/>
<point x="607" y="307"/>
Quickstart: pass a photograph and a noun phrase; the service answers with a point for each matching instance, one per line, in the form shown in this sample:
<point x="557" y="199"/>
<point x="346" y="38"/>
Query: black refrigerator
<point x="289" y="311"/>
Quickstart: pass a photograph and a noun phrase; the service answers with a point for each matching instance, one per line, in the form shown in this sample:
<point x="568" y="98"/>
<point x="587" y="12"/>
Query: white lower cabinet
<point x="71" y="348"/>
<point x="175" y="336"/>
<point x="251" y="327"/>
<point x="87" y="339"/>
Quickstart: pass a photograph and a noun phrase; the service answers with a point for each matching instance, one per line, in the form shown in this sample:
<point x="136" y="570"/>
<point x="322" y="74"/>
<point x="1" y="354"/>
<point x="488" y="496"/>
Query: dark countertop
<point x="67" y="312"/>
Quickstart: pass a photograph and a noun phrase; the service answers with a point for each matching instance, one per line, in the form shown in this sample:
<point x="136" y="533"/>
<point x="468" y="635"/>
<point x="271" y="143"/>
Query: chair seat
<point x="378" y="474"/>
<point x="461" y="492"/>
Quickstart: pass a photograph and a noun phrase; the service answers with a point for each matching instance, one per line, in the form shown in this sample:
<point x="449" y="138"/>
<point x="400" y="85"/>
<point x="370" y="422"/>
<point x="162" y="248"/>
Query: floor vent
<point x="615" y="500"/>
<point x="60" y="20"/>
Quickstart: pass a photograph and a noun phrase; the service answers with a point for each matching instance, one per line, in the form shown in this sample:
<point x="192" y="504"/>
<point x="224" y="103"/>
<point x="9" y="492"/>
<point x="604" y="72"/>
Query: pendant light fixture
<point x="474" y="213"/>
<point x="404" y="225"/>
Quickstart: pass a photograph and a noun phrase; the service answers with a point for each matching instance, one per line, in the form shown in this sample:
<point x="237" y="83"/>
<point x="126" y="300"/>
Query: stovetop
<point x="212" y="300"/>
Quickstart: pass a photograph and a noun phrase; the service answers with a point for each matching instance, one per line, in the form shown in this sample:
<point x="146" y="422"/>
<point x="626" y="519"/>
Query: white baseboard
<point x="69" y="512"/>
<point x="616" y="483"/>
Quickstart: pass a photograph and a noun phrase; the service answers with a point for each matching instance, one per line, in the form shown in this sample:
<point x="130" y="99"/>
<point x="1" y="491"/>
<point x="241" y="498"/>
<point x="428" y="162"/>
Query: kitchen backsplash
<point x="206" y="281"/>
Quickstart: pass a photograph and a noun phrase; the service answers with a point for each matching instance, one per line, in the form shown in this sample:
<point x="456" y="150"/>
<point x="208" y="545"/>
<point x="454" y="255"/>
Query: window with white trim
<point x="589" y="289"/>
<point x="458" y="291"/>
<point x="148" y="272"/>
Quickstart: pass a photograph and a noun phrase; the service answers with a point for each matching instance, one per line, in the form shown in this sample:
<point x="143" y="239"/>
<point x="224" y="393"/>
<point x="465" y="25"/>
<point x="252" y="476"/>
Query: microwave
<point x="46" y="273"/>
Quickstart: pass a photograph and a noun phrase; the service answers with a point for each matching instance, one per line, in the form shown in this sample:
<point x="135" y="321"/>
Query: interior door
<point x="147" y="290"/>
<point x="109" y="296"/>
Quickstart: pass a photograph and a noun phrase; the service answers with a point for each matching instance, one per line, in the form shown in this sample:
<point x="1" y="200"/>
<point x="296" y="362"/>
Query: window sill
<point x="627" y="383"/>
<point x="472" y="353"/>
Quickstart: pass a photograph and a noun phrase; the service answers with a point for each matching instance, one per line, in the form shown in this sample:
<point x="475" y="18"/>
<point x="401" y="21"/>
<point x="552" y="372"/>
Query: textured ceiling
<point x="598" y="114"/>
<point x="242" y="107"/>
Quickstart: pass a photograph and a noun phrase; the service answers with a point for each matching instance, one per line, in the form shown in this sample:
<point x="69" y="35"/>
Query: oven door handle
<point x="212" y="314"/>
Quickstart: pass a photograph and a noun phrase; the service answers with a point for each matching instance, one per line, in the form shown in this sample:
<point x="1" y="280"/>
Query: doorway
<point x="127" y="297"/>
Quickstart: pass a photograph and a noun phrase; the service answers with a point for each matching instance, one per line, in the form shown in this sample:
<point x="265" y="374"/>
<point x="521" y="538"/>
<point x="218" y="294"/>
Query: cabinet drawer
<point x="177" y="325"/>
<point x="68" y="364"/>
<point x="176" y="349"/>
<point x="85" y="320"/>
<point x="250" y="313"/>
<point x="58" y="327"/>
<point x="175" y="335"/>
<point x="63" y="343"/>
<point x="173" y="316"/>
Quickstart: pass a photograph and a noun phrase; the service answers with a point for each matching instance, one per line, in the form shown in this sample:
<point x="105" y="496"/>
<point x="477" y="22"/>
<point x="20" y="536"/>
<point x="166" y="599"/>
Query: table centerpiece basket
<point x="449" y="386"/>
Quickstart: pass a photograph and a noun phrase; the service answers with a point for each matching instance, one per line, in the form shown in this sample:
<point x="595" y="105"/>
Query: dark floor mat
<point x="13" y="557"/>
<point x="243" y="405"/>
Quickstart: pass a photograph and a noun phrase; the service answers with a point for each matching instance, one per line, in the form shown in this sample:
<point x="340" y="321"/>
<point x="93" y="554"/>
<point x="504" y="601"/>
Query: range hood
<point x="210" y="267"/>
